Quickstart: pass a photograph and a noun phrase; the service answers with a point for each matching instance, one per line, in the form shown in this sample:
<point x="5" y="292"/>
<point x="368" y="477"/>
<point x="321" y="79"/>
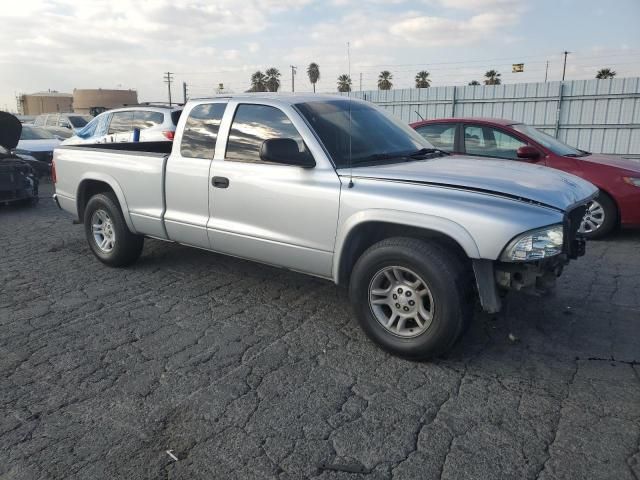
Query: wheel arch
<point x="366" y="228"/>
<point x="92" y="184"/>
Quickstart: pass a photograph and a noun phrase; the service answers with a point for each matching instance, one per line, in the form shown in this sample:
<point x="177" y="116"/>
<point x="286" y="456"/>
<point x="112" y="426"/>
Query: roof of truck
<point x="283" y="97"/>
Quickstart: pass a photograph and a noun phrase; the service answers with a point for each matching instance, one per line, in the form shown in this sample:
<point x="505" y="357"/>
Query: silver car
<point x="338" y="189"/>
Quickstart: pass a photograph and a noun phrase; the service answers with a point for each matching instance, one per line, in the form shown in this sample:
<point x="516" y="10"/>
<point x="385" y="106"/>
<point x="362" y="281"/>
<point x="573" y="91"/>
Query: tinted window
<point x="175" y="116"/>
<point x="201" y="130"/>
<point x="490" y="142"/>
<point x="439" y="135"/>
<point x="78" y="121"/>
<point x="360" y="130"/>
<point x="142" y="119"/>
<point x="121" y="122"/>
<point x="252" y="125"/>
<point x="35" y="133"/>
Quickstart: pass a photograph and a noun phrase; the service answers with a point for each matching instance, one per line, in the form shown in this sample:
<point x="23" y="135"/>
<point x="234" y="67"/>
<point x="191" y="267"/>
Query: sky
<point x="66" y="44"/>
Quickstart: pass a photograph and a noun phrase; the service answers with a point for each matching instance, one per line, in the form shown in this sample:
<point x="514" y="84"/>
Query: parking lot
<point x="246" y="371"/>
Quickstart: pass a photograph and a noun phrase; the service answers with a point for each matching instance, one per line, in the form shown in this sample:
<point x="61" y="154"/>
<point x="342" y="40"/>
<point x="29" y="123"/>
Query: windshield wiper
<point x="427" y="151"/>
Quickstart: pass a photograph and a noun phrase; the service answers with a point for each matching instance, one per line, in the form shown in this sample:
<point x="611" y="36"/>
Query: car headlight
<point x="535" y="245"/>
<point x="635" y="181"/>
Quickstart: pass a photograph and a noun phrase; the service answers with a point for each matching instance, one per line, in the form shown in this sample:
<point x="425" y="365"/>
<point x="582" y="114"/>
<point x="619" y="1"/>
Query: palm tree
<point x="605" y="73"/>
<point x="344" y="83"/>
<point x="422" y="79"/>
<point x="313" y="70"/>
<point x="272" y="77"/>
<point x="258" y="82"/>
<point x="474" y="82"/>
<point x="492" y="78"/>
<point x="384" y="80"/>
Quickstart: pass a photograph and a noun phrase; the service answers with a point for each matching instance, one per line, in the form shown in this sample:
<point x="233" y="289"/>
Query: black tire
<point x="610" y="218"/>
<point x="127" y="247"/>
<point x="450" y="284"/>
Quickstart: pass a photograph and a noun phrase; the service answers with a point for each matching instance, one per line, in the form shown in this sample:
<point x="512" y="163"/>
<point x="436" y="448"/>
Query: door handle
<point x="220" y="182"/>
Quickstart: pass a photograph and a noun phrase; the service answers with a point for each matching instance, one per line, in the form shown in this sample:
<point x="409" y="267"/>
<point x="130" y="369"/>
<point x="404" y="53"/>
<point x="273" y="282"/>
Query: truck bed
<point x="135" y="171"/>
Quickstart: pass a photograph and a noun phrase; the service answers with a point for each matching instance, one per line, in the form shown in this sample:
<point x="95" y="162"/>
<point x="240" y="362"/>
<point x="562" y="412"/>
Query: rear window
<point x="78" y="121"/>
<point x="201" y="130"/>
<point x="35" y="133"/>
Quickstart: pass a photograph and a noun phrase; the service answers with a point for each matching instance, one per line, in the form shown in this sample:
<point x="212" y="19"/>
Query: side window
<point x="121" y="122"/>
<point x="252" y="125"/>
<point x="39" y="121"/>
<point x="439" y="135"/>
<point x="144" y="119"/>
<point x="51" y="121"/>
<point x="490" y="142"/>
<point x="201" y="130"/>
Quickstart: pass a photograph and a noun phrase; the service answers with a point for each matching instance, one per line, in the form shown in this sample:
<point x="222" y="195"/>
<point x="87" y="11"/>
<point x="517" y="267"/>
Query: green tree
<point x="313" y="70"/>
<point x="605" y="73"/>
<point x="272" y="79"/>
<point x="422" y="79"/>
<point x="492" y="77"/>
<point x="384" y="80"/>
<point x="258" y="82"/>
<point x="474" y="82"/>
<point x="344" y="83"/>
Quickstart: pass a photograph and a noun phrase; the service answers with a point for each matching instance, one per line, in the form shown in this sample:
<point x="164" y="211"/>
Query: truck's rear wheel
<point x="411" y="297"/>
<point x="107" y="233"/>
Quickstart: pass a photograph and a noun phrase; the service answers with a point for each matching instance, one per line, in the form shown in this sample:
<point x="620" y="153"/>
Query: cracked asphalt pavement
<point x="246" y="371"/>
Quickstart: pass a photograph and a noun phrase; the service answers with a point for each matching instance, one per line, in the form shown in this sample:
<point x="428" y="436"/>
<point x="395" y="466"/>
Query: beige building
<point x="45" y="102"/>
<point x="94" y="101"/>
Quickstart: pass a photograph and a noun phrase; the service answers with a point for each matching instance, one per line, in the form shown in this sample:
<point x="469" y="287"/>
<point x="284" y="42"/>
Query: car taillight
<point x="169" y="134"/>
<point x="54" y="178"/>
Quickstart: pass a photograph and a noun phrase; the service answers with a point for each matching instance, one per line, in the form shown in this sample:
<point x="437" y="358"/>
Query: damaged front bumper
<point x="494" y="278"/>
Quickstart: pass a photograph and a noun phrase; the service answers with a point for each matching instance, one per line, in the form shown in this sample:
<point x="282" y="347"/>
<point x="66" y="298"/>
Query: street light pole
<point x="293" y="78"/>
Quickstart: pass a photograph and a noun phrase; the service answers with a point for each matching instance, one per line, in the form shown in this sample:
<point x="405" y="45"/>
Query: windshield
<point x="35" y="133"/>
<point x="372" y="136"/>
<point x="553" y="144"/>
<point x="79" y="121"/>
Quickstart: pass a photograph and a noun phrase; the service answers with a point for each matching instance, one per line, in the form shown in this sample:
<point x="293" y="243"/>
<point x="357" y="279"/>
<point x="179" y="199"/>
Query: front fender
<point x="428" y="222"/>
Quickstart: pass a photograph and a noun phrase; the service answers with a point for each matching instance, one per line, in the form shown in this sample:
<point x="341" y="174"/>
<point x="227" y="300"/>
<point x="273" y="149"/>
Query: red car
<point x="617" y="178"/>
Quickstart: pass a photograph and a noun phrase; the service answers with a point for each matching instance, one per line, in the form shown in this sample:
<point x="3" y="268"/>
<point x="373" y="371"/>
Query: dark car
<point x="18" y="180"/>
<point x="617" y="178"/>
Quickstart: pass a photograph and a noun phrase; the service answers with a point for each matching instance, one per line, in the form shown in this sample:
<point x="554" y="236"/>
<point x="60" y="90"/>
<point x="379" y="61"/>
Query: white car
<point x="150" y="124"/>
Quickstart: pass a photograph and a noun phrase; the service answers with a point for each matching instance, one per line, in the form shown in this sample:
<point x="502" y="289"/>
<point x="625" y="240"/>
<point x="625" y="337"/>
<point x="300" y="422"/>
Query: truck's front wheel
<point x="107" y="233"/>
<point x="411" y="297"/>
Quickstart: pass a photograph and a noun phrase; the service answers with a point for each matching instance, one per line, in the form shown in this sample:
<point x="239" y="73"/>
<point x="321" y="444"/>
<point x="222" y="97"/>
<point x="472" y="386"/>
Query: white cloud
<point x="481" y="5"/>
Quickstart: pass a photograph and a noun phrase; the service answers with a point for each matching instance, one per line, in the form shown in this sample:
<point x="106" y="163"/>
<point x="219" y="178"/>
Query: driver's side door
<point x="273" y="213"/>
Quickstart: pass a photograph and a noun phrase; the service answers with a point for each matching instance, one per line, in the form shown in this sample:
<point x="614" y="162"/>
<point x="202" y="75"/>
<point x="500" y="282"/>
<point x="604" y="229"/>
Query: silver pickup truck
<point x="338" y="189"/>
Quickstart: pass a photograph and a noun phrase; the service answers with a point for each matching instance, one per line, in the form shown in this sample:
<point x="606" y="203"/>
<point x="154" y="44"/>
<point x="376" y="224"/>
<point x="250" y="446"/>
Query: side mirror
<point x="528" y="152"/>
<point x="285" y="152"/>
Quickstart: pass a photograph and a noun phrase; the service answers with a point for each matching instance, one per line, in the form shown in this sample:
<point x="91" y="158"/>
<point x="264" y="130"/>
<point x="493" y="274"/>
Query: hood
<point x="516" y="180"/>
<point x="10" y="130"/>
<point x="612" y="161"/>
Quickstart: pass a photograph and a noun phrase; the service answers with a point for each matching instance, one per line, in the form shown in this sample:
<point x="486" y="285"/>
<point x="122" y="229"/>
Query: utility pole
<point x="546" y="72"/>
<point x="293" y="78"/>
<point x="184" y="92"/>
<point x="360" y="81"/>
<point x="168" y="78"/>
<point x="564" y="68"/>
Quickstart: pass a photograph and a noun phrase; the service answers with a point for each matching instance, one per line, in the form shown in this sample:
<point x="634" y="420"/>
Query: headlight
<point x="635" y="181"/>
<point x="535" y="245"/>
